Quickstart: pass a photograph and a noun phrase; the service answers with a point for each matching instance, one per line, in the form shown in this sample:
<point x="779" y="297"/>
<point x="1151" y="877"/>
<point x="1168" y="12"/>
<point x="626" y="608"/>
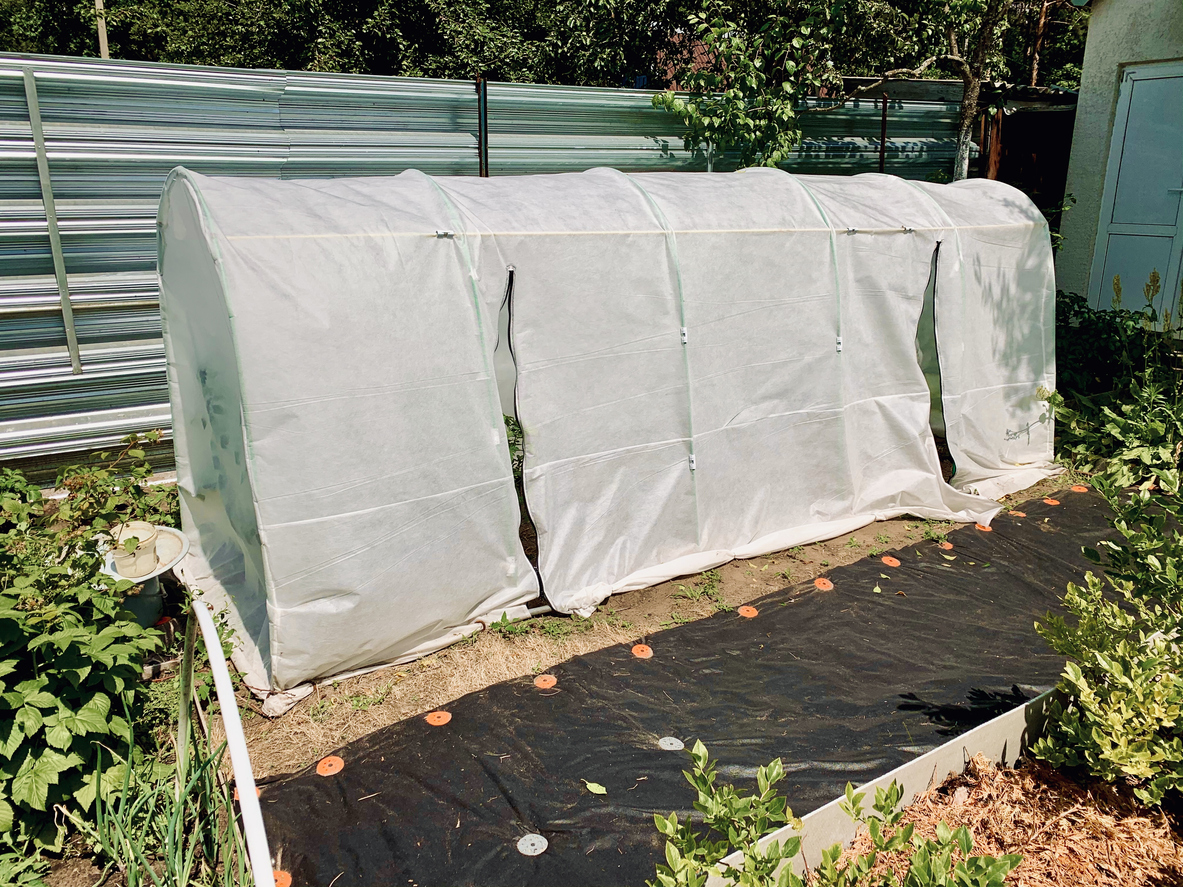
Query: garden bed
<point x="845" y="681"/>
<point x="345" y="710"/>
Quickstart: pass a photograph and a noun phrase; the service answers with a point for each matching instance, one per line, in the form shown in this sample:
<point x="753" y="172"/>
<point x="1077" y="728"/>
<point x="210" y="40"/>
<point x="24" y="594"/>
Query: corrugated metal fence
<point x="110" y="132"/>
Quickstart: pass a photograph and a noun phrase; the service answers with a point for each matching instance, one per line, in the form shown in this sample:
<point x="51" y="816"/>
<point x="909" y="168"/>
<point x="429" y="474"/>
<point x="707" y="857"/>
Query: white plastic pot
<point x="140" y="561"/>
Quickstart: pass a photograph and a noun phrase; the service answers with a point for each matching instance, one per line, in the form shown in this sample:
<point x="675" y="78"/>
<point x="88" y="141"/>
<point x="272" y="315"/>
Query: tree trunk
<point x="1037" y="43"/>
<point x="965" y="123"/>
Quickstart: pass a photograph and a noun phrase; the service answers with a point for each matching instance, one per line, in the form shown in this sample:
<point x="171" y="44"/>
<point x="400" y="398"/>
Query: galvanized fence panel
<point x="538" y="129"/>
<point x="113" y="130"/>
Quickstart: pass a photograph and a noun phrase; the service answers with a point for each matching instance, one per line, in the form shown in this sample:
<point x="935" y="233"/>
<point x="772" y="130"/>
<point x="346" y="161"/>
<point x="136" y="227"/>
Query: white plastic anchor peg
<point x="532" y="845"/>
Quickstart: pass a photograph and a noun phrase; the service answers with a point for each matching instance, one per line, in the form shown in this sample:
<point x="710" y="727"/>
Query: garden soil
<point x="843" y="683"/>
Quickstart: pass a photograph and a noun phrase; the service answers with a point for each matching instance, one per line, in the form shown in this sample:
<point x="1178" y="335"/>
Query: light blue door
<point x="1140" y="229"/>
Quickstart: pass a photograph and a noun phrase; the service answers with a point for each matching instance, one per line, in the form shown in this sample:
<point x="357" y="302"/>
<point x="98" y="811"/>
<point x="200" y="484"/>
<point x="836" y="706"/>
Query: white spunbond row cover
<point x="709" y="366"/>
<point x="341" y="453"/>
<point x="997" y="313"/>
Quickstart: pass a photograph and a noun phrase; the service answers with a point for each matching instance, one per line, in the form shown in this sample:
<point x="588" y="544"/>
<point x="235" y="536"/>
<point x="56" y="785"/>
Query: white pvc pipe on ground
<point x="240" y="759"/>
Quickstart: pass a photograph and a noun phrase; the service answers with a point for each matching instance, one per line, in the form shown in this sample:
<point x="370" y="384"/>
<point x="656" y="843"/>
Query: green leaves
<point x="733" y="820"/>
<point x="595" y="788"/>
<point x="1120" y="715"/>
<point x="37" y="773"/>
<point x="90" y="718"/>
<point x="744" y="820"/>
<point x="1119" y="412"/>
<point x="744" y="101"/>
<point x="69" y="654"/>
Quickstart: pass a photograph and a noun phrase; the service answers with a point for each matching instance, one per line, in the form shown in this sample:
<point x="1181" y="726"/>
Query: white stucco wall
<point x="1121" y="33"/>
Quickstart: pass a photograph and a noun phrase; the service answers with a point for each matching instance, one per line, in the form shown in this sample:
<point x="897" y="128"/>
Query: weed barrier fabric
<point x="843" y="685"/>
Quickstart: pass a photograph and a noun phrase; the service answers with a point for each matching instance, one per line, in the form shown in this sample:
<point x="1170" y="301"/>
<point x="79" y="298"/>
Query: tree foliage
<point x="588" y="42"/>
<point x="748" y="91"/>
<point x="745" y="95"/>
<point x="748" y="64"/>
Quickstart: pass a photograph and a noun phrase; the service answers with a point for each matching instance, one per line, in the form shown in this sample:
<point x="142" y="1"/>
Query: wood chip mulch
<point x="1068" y="834"/>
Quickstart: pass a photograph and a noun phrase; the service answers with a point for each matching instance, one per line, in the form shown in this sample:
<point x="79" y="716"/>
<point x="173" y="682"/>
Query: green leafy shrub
<point x="14" y="486"/>
<point x="1097" y="349"/>
<point x="22" y="870"/>
<point x="931" y="863"/>
<point x="1121" y="712"/>
<point x="1128" y="440"/>
<point x="70" y="656"/>
<point x="1150" y="552"/>
<point x="1120" y="413"/>
<point x="738" y="821"/>
<point x="1124" y="696"/>
<point x="1118" y="408"/>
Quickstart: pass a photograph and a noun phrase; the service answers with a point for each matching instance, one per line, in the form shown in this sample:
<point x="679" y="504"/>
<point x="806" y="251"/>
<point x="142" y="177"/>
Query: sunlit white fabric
<point x="706" y="367"/>
<point x="345" y="479"/>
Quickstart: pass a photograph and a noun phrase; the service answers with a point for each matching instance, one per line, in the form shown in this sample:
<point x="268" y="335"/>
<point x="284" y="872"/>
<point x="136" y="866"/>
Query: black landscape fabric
<point x="843" y="685"/>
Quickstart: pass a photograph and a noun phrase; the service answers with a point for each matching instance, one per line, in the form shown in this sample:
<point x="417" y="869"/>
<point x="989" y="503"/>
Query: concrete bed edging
<point x="1002" y="739"/>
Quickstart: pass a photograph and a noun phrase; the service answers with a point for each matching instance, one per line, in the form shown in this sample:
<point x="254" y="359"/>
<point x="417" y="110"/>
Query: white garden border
<point x="1002" y="740"/>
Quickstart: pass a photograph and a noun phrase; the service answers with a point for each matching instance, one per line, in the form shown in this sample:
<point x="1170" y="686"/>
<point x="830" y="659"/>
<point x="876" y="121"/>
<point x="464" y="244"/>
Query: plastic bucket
<point x="142" y="559"/>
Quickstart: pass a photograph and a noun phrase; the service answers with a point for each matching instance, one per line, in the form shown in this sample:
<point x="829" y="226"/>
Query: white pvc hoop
<point x="240" y="759"/>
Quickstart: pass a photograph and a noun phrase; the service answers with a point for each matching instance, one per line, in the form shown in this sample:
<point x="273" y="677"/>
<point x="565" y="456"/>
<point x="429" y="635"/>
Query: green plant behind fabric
<point x="1120" y="717"/>
<point x="517" y="446"/>
<point x="736" y="821"/>
<point x="70" y="656"/>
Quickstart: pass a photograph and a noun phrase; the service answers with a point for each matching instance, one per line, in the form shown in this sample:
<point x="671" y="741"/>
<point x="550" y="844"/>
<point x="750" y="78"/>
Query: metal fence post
<point x="883" y="138"/>
<point x="482" y="115"/>
<point x="51" y="219"/>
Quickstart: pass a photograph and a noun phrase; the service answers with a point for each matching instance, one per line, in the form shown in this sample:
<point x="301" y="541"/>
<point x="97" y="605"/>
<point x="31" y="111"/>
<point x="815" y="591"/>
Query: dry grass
<point x="1067" y="833"/>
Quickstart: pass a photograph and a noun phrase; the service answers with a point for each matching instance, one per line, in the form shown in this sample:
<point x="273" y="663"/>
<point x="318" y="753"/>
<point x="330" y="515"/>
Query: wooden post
<point x="51" y="219"/>
<point x="101" y="17"/>
<point x="993" y="158"/>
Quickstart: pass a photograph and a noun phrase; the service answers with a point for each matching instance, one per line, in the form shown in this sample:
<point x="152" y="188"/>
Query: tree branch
<point x="897" y="74"/>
